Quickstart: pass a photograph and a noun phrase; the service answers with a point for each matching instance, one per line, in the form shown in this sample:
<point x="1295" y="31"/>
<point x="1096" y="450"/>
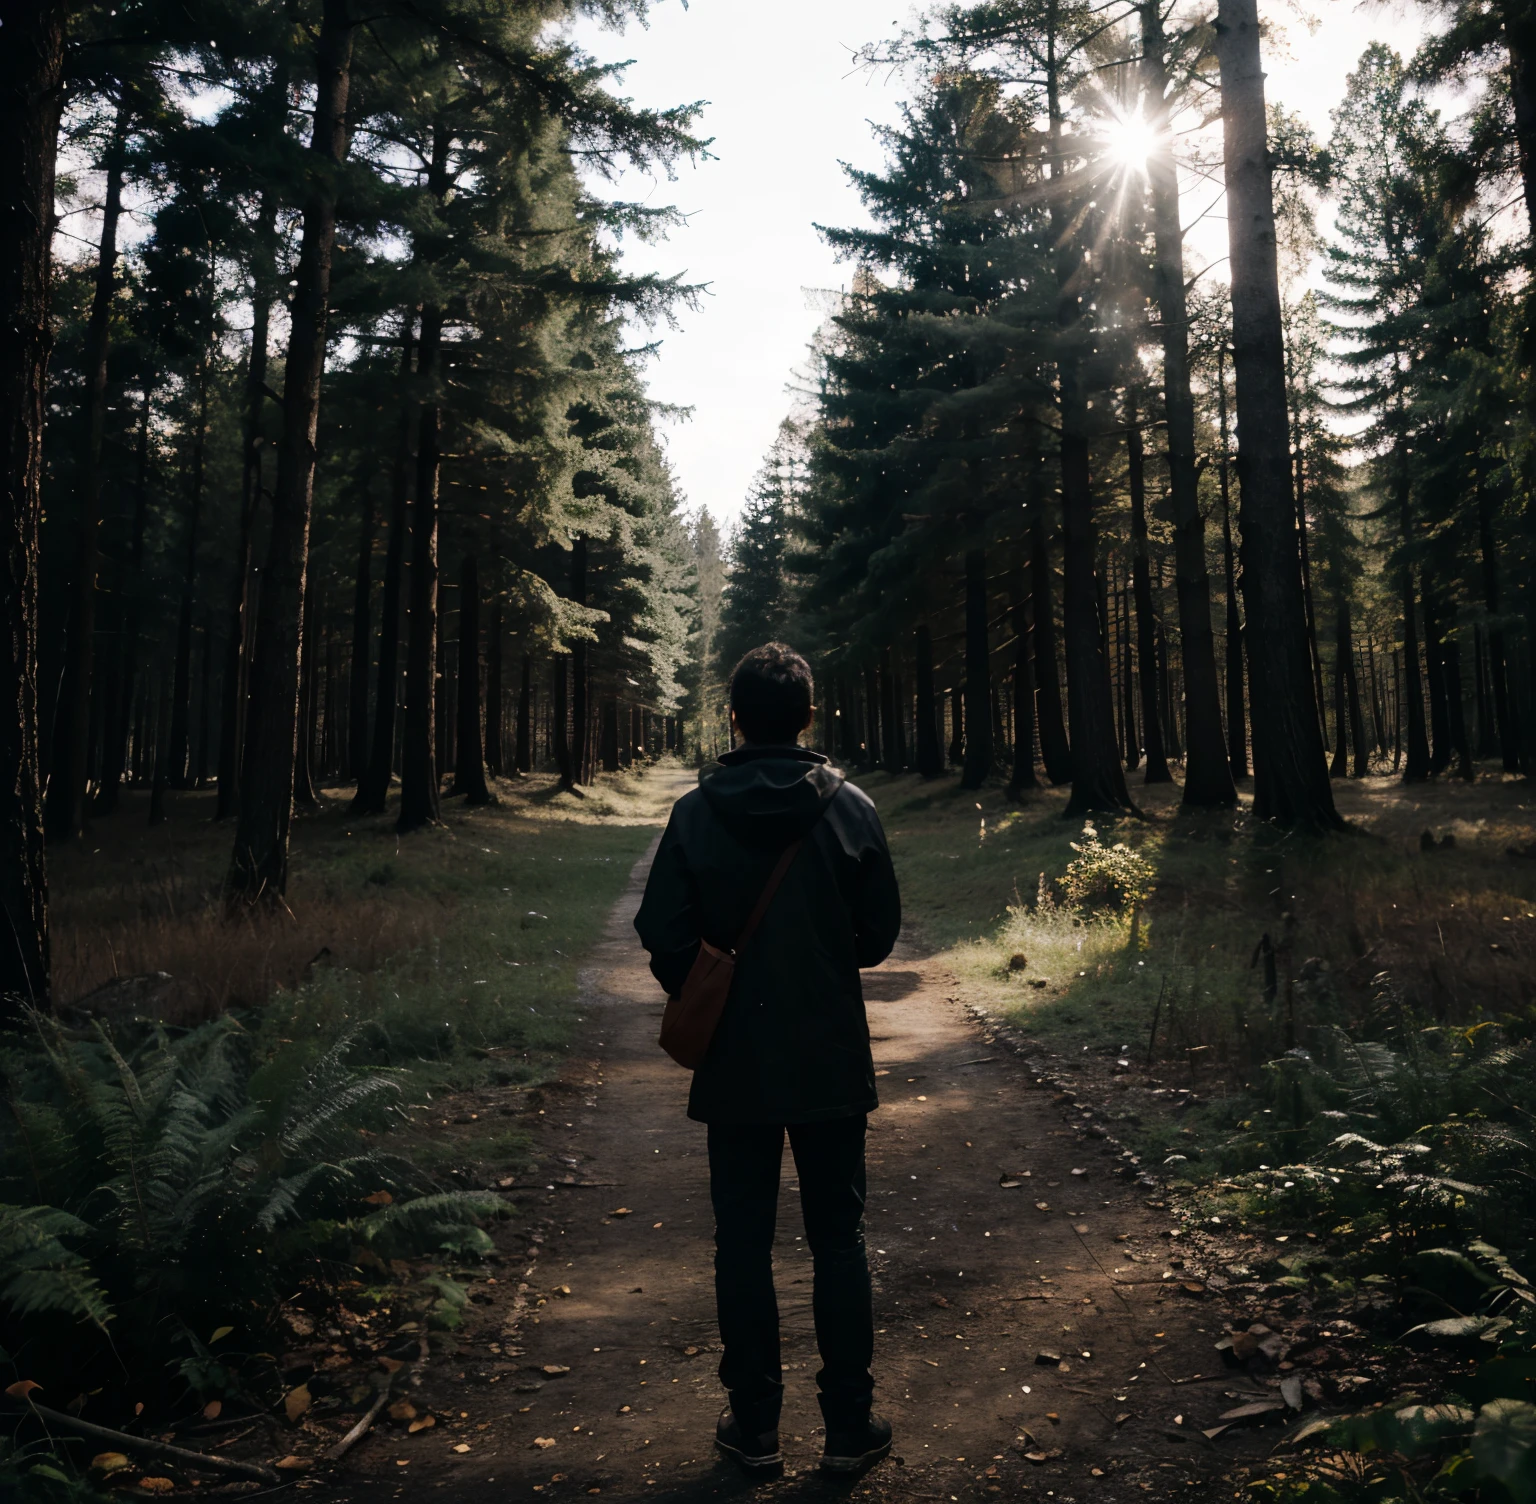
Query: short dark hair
<point x="771" y="691"/>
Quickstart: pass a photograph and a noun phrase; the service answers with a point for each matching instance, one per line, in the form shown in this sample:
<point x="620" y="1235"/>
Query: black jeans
<point x="744" y="1188"/>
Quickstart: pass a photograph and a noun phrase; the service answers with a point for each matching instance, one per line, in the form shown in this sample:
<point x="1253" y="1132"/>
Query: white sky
<point x="785" y="107"/>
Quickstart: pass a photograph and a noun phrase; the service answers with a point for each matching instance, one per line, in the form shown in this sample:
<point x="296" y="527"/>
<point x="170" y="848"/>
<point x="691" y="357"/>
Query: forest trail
<point x="610" y="1389"/>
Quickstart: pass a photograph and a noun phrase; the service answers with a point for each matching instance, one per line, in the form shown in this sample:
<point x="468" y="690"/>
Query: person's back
<point x="791" y="1051"/>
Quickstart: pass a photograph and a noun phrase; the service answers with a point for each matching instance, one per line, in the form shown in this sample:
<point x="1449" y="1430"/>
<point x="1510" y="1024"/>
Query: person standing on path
<point x="791" y="1052"/>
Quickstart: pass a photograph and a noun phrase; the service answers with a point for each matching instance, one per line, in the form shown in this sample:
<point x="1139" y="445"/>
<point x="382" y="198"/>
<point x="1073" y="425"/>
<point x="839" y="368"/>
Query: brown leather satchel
<point x="693" y="1015"/>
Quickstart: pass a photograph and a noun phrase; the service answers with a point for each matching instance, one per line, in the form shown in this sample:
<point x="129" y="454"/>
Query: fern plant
<point x="141" y="1180"/>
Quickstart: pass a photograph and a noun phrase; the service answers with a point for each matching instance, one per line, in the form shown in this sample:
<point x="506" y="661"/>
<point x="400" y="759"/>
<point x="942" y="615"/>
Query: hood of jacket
<point x="769" y="796"/>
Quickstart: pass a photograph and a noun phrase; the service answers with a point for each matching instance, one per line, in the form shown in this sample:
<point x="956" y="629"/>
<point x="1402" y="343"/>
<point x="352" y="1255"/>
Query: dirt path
<point x="997" y="1232"/>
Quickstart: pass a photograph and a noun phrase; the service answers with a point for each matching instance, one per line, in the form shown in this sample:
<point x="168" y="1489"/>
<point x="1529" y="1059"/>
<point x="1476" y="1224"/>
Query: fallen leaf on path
<point x="655" y="1226"/>
<point x="562" y="1290"/>
<point x="402" y="1410"/>
<point x="930" y="1362"/>
<point x="1036" y="1457"/>
<point x="1009" y="1185"/>
<point x="109" y="1462"/>
<point x="463" y="1446"/>
<point x="296" y="1402"/>
<point x="422" y="1423"/>
<point x="22" y="1388"/>
<point x="1253" y="1411"/>
<point x="1190" y="1288"/>
<point x="543" y="1443"/>
<point x="940" y="1301"/>
<point x="1212" y="1432"/>
<point x="1042" y="1206"/>
<point x="690" y="1352"/>
<point x="1122" y="1417"/>
<point x="620" y="1211"/>
<point x="292" y="1464"/>
<point x="157" y="1485"/>
<point x="1290" y="1392"/>
<point x="1047" y="1359"/>
<point x="213" y="1409"/>
<point x="1079" y="1172"/>
<point x="220" y="1331"/>
<point x="556" y="1368"/>
<point x="391" y="1365"/>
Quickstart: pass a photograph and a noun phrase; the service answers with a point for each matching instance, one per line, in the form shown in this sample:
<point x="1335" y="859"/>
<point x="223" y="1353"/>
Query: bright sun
<point x="1129" y="140"/>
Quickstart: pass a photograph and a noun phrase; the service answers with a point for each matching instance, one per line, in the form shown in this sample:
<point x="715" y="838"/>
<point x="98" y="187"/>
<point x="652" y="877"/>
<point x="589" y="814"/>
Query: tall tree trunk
<point x="179" y="749"/>
<point x="1055" y="752"/>
<point x="1416" y="742"/>
<point x="362" y="642"/>
<point x="130" y="608"/>
<point x="304" y="795"/>
<point x="523" y="756"/>
<point x="259" y="865"/>
<point x="495" y="713"/>
<point x="31" y="97"/>
<point x="890" y="743"/>
<point x="1098" y="777"/>
<point x="608" y="723"/>
<point x="1237" y="730"/>
<point x="64" y="812"/>
<point x="1208" y="768"/>
<point x="956" y="726"/>
<point x="978" y="674"/>
<point x="1357" y="735"/>
<point x="419" y="765"/>
<point x="560" y="714"/>
<point x="1343" y="653"/>
<point x="1434" y="672"/>
<point x="1146" y="627"/>
<point x="1498" y="671"/>
<point x="237" y="646"/>
<point x="1291" y="785"/>
<point x="1023" y="775"/>
<point x="1461" y="746"/>
<point x="373" y="791"/>
<point x="874" y="740"/>
<point x="580" y="731"/>
<point x="1308" y="598"/>
<point x="929" y="753"/>
<point x="469" y="765"/>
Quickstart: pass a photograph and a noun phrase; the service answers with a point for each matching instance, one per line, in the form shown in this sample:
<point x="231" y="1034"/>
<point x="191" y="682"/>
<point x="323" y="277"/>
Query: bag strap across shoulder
<point x="755" y="918"/>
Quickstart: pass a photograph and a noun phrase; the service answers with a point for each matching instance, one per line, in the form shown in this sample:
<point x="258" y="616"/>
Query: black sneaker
<point x="755" y="1453"/>
<point x="854" y="1448"/>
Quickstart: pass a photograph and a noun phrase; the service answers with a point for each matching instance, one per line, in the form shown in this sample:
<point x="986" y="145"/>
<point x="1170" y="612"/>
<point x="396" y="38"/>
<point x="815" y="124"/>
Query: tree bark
<point x="304" y="735"/>
<point x="1416" y="741"/>
<point x="1055" y="752"/>
<point x="373" y="791"/>
<point x="929" y="753"/>
<point x="560" y="712"/>
<point x="495" y="711"/>
<point x="1343" y="650"/>
<point x="524" y="751"/>
<point x="418" y="759"/>
<point x="259" y="866"/>
<point x="978" y="674"/>
<point x="362" y="642"/>
<point x="237" y="647"/>
<point x="1237" y="730"/>
<point x="1208" y="770"/>
<point x="1434" y="673"/>
<point x="1291" y="785"/>
<point x="1146" y="627"/>
<point x="64" y="812"/>
<point x="1023" y="777"/>
<point x="956" y="727"/>
<point x="1098" y="777"/>
<point x="179" y="748"/>
<point x="469" y="765"/>
<point x="1498" y="671"/>
<point x="873" y="741"/>
<point x="579" y="660"/>
<point x="890" y="743"/>
<point x="31" y="97"/>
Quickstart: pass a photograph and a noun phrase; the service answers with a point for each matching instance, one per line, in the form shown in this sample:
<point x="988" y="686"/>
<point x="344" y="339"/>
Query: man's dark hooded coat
<point x="793" y="1043"/>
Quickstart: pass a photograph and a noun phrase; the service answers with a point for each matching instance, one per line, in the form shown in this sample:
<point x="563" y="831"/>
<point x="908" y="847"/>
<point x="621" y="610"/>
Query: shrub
<point x="1106" y="877"/>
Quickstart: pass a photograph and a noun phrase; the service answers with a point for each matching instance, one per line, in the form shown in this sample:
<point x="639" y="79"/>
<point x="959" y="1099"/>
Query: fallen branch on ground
<point x="204" y="1461"/>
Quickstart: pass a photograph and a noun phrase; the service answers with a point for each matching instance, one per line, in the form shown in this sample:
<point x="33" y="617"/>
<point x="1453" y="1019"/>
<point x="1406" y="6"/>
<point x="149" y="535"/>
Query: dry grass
<point x="1454" y="926"/>
<point x="132" y="899"/>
